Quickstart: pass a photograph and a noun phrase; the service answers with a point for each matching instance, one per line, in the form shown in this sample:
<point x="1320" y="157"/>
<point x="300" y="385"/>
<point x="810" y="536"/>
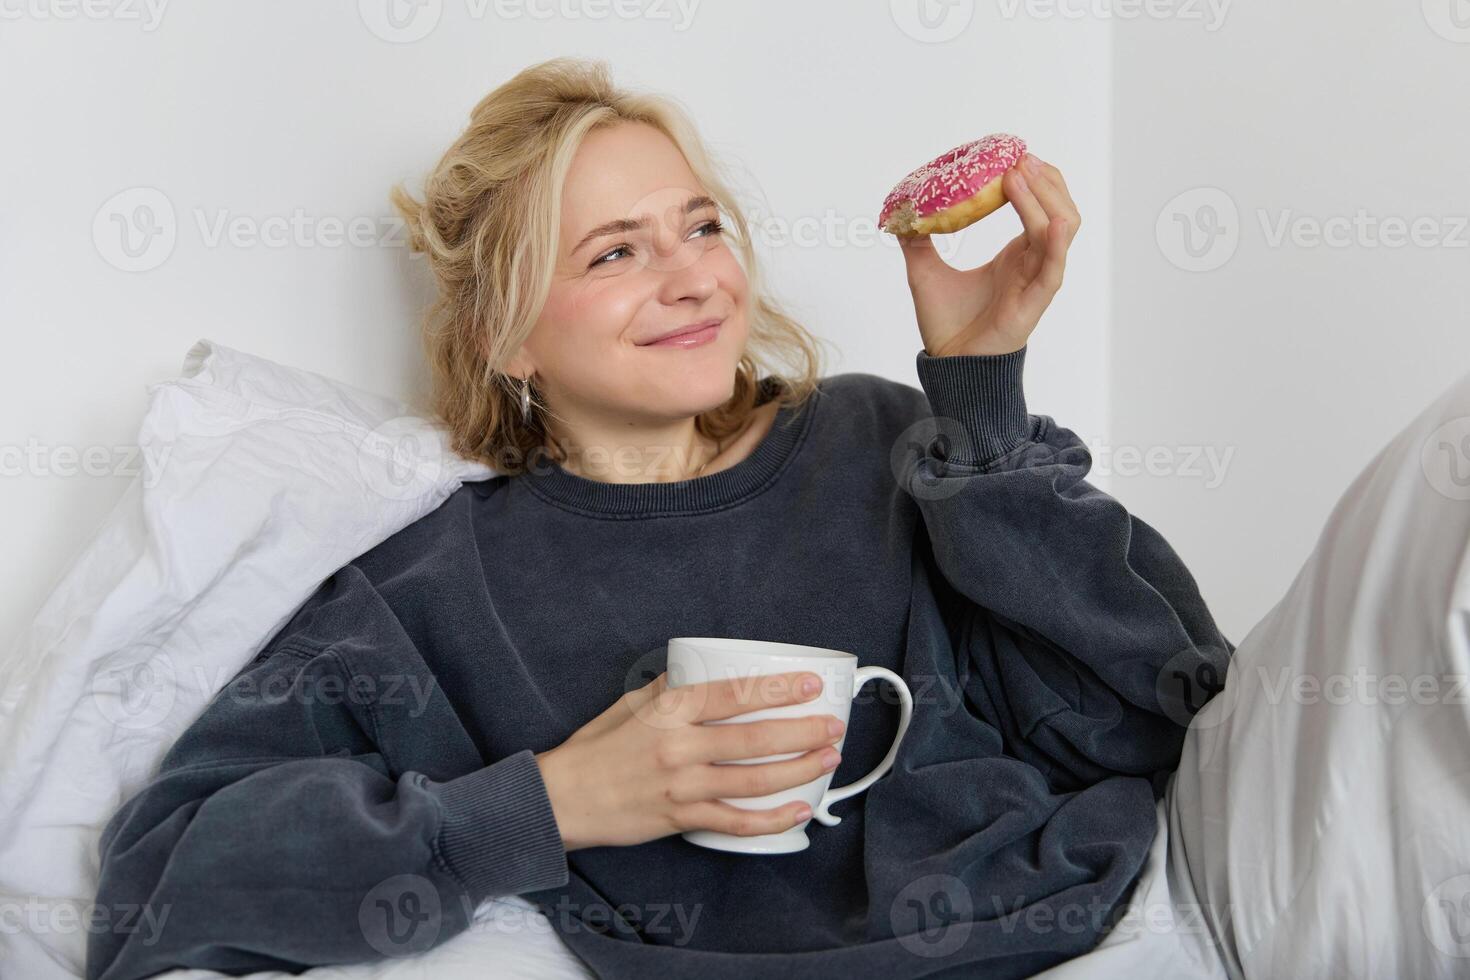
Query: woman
<point x="652" y="487"/>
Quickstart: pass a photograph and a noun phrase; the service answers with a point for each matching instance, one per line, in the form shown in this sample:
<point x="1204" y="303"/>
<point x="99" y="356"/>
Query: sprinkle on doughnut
<point x="952" y="190"/>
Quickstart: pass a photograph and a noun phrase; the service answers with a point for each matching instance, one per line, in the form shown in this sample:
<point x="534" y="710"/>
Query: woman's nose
<point x="686" y="272"/>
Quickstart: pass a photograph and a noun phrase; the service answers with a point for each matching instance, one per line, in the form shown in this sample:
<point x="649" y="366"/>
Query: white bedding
<point x="271" y="479"/>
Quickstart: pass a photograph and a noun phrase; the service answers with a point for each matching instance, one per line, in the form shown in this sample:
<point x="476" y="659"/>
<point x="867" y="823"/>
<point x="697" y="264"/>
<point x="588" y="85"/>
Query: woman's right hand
<point x="644" y="768"/>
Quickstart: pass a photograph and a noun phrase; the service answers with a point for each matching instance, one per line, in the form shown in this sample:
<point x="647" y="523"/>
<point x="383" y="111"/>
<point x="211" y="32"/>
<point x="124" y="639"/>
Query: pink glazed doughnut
<point x="953" y="190"/>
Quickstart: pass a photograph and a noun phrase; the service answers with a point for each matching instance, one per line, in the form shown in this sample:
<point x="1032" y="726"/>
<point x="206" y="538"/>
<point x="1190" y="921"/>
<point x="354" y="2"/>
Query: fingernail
<point x="830" y="758"/>
<point x="835" y="726"/>
<point x="803" y="812"/>
<point x="1020" y="182"/>
<point x="811" y="685"/>
<point x="1031" y="164"/>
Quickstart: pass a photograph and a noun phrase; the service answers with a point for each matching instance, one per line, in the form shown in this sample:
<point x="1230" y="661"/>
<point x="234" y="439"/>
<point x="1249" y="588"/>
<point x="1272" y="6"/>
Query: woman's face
<point x="619" y="286"/>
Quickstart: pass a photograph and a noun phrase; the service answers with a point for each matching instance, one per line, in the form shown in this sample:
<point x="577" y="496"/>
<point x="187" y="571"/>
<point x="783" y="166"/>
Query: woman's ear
<point x="521" y="365"/>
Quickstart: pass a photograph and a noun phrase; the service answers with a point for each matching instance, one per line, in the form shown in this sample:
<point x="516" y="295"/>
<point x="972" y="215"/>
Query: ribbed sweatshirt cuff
<point x="499" y="834"/>
<point x="983" y="393"/>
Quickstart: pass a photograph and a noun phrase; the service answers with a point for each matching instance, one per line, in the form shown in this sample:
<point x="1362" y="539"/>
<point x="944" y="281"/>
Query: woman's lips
<point x="695" y="338"/>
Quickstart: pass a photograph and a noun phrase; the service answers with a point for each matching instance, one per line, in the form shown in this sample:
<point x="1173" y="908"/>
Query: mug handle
<point x="821" y="813"/>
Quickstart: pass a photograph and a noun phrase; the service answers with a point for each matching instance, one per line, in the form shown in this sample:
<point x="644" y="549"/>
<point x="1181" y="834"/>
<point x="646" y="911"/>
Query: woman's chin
<point x="703" y="390"/>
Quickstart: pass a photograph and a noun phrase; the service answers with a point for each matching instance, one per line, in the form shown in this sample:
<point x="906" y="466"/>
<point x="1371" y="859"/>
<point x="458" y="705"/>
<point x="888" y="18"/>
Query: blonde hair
<point x="489" y="224"/>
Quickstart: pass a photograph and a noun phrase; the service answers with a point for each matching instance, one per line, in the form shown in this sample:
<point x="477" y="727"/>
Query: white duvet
<point x="268" y="479"/>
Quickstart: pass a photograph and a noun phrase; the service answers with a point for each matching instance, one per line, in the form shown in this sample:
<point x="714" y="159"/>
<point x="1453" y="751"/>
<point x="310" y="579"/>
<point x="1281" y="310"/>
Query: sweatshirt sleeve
<point x="276" y="834"/>
<point x="1080" y="620"/>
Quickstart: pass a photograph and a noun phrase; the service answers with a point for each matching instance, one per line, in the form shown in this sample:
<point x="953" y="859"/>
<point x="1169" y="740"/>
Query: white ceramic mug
<point x="697" y="659"/>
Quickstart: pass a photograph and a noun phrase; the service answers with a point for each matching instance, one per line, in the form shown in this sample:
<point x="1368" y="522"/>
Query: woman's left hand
<point x="994" y="308"/>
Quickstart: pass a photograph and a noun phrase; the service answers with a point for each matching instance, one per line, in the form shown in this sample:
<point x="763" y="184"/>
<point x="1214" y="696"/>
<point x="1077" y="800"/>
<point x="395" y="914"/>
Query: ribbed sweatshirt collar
<point x="723" y="488"/>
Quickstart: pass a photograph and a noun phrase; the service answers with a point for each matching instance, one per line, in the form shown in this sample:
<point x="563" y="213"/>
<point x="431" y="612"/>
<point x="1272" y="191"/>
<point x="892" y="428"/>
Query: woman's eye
<point x="712" y="227"/>
<point x="602" y="259"/>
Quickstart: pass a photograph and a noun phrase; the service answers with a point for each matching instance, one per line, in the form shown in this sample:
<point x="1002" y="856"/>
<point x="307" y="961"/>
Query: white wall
<point x="1290" y="362"/>
<point x="267" y="109"/>
<point x="1300" y="357"/>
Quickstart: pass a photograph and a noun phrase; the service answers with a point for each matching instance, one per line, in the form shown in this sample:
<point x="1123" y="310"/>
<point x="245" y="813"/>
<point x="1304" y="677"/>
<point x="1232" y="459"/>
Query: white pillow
<point x="271" y="478"/>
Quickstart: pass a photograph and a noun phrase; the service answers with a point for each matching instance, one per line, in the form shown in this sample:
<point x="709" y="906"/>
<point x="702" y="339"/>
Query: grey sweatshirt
<point x="368" y="780"/>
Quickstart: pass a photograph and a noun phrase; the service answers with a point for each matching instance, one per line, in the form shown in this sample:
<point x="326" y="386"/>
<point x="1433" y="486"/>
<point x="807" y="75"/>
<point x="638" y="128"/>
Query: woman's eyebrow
<point x="624" y="225"/>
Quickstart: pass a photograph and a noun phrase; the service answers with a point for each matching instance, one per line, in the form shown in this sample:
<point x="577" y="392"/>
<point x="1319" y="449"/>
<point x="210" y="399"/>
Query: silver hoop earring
<point x="526" y="399"/>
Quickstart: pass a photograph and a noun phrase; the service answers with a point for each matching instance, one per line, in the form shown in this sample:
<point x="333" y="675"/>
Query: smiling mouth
<point x="694" y="335"/>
